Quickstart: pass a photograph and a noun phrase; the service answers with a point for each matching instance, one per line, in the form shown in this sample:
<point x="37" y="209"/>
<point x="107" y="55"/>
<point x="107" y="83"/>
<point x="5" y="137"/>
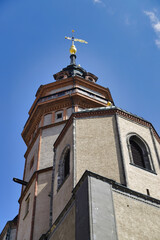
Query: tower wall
<point x="66" y="230"/>
<point x="97" y="148"/>
<point x="32" y="156"/>
<point x="53" y="105"/>
<point x="41" y="153"/>
<point x="42" y="206"/>
<point x="136" y="218"/>
<point x="100" y="144"/>
<point x="49" y="135"/>
<point x="61" y="196"/>
<point x="25" y="215"/>
<point x="93" y="146"/>
<point x="100" y="208"/>
<point x="137" y="178"/>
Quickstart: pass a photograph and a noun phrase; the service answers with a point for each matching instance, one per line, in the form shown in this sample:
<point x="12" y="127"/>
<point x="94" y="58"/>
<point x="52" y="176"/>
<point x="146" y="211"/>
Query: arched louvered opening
<point x="137" y="154"/>
<point x="64" y="166"/>
<point x="140" y="154"/>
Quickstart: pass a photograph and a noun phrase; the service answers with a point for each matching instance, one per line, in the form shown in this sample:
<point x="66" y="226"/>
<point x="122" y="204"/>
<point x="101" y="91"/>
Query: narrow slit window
<point x="27" y="203"/>
<point x="148" y="192"/>
<point x="66" y="164"/>
<point x="31" y="163"/>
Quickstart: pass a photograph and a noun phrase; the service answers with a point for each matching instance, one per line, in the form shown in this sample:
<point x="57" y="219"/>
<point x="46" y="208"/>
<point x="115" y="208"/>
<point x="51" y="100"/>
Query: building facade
<point x="92" y="170"/>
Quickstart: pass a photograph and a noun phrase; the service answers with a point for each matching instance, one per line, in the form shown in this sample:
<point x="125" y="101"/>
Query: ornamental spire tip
<point x="73" y="49"/>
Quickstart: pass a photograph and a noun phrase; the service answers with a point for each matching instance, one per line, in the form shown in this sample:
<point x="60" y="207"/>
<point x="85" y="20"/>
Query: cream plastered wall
<point x="63" y="195"/>
<point x="33" y="153"/>
<point x="66" y="230"/>
<point x="49" y="136"/>
<point x="13" y="234"/>
<point x="139" y="179"/>
<point x="136" y="219"/>
<point x="96" y="148"/>
<point x="42" y="210"/>
<point x="47" y="119"/>
<point x="23" y="231"/>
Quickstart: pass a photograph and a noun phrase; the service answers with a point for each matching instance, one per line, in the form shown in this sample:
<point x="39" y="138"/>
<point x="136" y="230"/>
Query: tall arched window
<point x="139" y="152"/>
<point x="64" y="166"/>
<point x="66" y="163"/>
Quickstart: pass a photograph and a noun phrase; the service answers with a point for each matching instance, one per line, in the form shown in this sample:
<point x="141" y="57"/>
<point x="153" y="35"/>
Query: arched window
<point x="139" y="152"/>
<point x="64" y="166"/>
<point x="66" y="163"/>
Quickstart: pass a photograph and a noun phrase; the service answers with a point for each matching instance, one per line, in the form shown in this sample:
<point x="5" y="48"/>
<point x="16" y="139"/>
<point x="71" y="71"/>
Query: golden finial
<point x="73" y="48"/>
<point x="109" y="104"/>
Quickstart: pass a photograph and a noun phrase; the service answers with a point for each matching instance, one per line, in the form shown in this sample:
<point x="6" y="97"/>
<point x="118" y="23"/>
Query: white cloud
<point x="157" y="42"/>
<point x="99" y="1"/>
<point x="157" y="27"/>
<point x="155" y="23"/>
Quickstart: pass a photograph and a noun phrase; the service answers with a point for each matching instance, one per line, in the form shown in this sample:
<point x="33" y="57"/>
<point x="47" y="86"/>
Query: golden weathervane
<point x="73" y="48"/>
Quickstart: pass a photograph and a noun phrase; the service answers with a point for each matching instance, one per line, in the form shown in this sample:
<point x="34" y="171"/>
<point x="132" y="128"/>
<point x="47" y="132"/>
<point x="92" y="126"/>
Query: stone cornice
<point x="117" y="186"/>
<point x="105" y="112"/>
<point x="54" y="105"/>
<point x="44" y="89"/>
<point x="42" y="109"/>
<point x="94" y="87"/>
<point x="139" y="121"/>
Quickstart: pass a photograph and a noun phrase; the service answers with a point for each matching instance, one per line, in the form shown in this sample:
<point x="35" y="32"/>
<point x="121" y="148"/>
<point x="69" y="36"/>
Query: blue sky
<point x="123" y="50"/>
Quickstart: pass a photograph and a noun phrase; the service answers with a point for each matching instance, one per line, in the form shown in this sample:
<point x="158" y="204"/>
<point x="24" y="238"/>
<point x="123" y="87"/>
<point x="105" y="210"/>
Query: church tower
<point x="92" y="169"/>
<point x="74" y="89"/>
